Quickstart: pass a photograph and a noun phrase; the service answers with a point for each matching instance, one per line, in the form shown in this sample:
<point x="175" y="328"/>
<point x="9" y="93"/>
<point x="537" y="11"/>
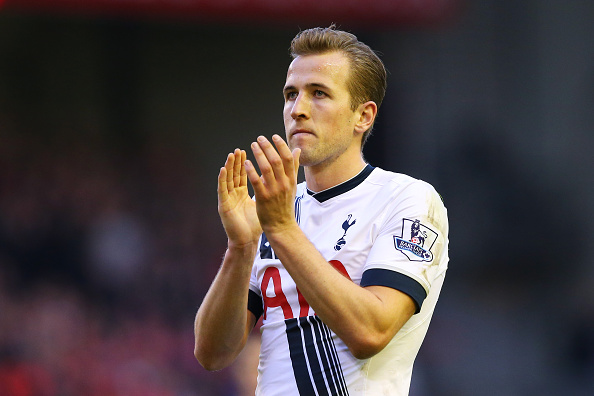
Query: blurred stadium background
<point x="116" y="115"/>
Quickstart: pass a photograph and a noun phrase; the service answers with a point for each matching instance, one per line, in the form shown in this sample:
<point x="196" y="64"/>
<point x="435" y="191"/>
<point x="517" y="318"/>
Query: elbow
<point x="367" y="346"/>
<point x="209" y="360"/>
<point x="364" y="352"/>
<point x="205" y="361"/>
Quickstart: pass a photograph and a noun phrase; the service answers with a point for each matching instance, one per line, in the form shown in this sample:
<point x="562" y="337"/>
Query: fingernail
<point x="261" y="139"/>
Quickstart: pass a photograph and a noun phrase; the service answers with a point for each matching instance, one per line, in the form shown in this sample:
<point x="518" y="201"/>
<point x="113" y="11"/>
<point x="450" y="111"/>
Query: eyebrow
<point x="310" y="85"/>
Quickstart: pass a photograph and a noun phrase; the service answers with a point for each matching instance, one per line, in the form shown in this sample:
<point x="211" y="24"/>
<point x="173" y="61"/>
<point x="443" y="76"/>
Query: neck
<point x="324" y="176"/>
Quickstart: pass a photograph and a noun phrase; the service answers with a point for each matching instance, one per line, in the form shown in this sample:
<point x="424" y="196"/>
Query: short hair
<point x="368" y="80"/>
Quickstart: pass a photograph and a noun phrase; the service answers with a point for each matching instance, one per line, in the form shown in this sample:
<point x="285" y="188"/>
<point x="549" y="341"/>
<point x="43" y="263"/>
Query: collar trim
<point x="324" y="195"/>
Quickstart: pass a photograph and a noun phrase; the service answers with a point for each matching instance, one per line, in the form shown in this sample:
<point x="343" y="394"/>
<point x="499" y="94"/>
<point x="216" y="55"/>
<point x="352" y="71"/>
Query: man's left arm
<point x="365" y="318"/>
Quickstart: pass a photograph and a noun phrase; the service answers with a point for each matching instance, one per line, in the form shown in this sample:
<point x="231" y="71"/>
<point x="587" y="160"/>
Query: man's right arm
<point x="223" y="321"/>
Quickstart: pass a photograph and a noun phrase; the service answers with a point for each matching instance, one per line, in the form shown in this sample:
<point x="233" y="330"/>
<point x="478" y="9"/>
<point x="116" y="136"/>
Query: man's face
<point x="317" y="113"/>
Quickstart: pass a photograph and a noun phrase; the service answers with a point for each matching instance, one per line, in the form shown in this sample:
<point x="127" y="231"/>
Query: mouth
<point x="300" y="132"/>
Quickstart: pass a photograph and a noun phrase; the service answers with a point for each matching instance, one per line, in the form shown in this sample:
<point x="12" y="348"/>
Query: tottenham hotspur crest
<point x="345" y="226"/>
<point x="416" y="240"/>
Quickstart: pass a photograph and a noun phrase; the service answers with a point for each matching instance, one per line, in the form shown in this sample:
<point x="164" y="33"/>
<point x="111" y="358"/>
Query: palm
<point x="236" y="209"/>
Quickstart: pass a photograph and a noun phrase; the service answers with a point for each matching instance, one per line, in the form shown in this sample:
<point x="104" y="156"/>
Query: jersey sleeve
<point x="255" y="304"/>
<point x="407" y="252"/>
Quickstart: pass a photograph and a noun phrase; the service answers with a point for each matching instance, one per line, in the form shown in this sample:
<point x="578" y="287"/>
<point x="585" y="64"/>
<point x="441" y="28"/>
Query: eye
<point x="290" y="95"/>
<point x="319" y="94"/>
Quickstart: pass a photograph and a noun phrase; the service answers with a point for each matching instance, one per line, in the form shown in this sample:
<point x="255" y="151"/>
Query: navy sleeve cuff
<point x="255" y="305"/>
<point x="395" y="280"/>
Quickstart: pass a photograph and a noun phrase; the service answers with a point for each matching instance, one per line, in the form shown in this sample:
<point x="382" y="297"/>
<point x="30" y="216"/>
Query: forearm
<point x="223" y="323"/>
<point x="362" y="318"/>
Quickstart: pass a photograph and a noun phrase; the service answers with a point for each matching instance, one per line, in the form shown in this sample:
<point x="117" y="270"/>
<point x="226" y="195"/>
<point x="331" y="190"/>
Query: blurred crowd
<point x="105" y="254"/>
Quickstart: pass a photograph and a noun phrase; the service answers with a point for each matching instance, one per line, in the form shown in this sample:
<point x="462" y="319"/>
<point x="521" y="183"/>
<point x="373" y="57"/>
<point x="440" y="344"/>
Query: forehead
<point x="330" y="68"/>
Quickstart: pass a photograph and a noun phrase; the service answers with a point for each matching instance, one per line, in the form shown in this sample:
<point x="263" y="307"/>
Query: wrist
<point x="242" y="249"/>
<point x="280" y="231"/>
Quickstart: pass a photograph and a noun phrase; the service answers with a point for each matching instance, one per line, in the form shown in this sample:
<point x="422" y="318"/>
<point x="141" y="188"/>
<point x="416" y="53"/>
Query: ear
<point x="367" y="112"/>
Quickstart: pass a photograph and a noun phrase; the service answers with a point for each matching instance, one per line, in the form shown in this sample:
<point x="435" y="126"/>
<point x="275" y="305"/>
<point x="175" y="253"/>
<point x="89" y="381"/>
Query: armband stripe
<point x="255" y="304"/>
<point x="398" y="281"/>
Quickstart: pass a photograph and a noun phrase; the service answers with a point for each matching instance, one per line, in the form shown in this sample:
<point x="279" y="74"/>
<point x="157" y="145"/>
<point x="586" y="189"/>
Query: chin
<point x="307" y="159"/>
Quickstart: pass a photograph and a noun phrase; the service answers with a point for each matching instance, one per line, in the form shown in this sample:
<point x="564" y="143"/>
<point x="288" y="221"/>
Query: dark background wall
<point x="112" y="131"/>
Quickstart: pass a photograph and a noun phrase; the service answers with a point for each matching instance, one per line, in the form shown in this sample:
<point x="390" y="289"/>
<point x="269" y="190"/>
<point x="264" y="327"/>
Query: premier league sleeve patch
<point x="416" y="240"/>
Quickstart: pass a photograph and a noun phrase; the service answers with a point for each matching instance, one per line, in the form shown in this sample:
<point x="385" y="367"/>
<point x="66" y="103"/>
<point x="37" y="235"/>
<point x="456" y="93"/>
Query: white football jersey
<point x="378" y="228"/>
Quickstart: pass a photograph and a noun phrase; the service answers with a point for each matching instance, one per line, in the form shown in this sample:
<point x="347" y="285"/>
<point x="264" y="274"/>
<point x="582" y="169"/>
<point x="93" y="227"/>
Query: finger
<point x="243" y="173"/>
<point x="237" y="167"/>
<point x="222" y="191"/>
<point x="296" y="156"/>
<point x="272" y="157"/>
<point x="286" y="156"/>
<point x="254" y="178"/>
<point x="229" y="165"/>
<point x="263" y="163"/>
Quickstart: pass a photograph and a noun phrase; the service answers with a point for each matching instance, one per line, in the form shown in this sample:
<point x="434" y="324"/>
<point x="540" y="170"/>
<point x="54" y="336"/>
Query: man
<point x="345" y="293"/>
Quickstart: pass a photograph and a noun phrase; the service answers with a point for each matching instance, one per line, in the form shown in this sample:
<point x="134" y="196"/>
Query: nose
<point x="300" y="107"/>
